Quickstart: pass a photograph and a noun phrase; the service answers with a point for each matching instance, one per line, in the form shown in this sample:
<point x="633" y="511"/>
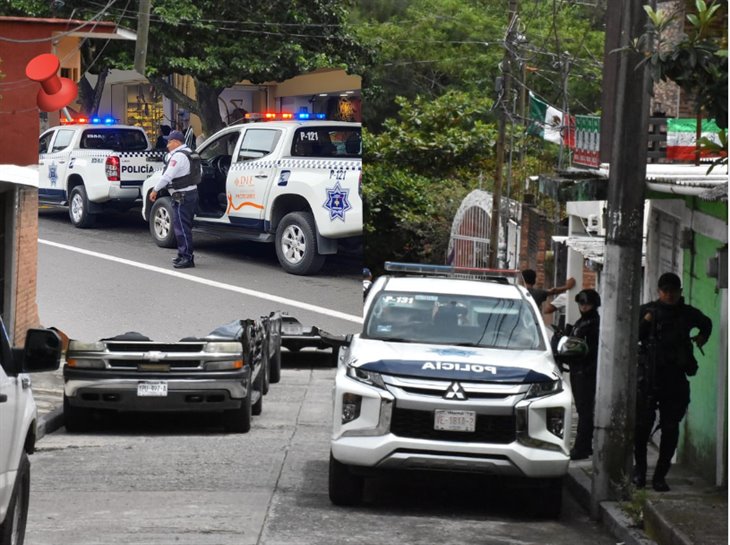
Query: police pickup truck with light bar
<point x="227" y="372"/>
<point x="93" y="165"/>
<point x="294" y="182"/>
<point x="450" y="374"/>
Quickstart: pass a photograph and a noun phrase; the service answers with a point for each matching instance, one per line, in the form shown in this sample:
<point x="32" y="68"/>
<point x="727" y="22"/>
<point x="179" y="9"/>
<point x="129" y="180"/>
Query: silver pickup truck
<point x="228" y="371"/>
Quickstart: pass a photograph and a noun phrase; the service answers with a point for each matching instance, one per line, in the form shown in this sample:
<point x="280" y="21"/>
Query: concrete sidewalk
<point x="692" y="513"/>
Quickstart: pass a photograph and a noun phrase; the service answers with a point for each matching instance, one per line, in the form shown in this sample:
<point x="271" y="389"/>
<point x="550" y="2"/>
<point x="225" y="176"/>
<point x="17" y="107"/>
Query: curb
<point x="49" y="422"/>
<point x="664" y="529"/>
<point x="612" y="517"/>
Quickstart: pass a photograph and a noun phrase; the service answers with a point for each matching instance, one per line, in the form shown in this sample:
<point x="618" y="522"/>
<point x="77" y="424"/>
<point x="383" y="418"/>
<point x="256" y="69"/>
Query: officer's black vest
<point x="193" y="177"/>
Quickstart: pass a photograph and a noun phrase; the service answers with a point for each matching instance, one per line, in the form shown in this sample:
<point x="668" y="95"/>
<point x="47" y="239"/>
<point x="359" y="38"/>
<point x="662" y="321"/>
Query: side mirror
<point x="42" y="351"/>
<point x="571" y="348"/>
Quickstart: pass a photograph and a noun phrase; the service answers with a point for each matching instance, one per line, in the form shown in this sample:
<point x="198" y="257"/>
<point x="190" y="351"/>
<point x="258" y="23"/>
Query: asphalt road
<point x="159" y="480"/>
<point x="95" y="283"/>
<point x="155" y="480"/>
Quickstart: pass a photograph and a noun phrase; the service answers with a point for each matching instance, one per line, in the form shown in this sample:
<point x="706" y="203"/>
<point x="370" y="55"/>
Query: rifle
<point x="648" y="364"/>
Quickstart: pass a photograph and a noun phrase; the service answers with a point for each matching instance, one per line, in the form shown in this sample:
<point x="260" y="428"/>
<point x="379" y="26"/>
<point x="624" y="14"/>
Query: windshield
<point x="454" y="319"/>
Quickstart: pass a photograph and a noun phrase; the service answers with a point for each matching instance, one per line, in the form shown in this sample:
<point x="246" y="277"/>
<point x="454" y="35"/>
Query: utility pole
<point x="565" y="122"/>
<point x="143" y="30"/>
<point x="615" y="405"/>
<point x="504" y="95"/>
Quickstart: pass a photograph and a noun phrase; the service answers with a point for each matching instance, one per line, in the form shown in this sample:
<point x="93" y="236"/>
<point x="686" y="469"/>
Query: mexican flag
<point x="548" y="122"/>
<point x="682" y="137"/>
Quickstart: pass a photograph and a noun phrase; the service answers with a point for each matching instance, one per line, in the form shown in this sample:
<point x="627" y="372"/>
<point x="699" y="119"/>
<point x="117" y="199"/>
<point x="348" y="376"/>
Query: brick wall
<point x="535" y="237"/>
<point x="26" y="273"/>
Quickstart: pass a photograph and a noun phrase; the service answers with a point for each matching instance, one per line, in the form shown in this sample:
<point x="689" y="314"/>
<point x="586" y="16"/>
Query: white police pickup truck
<point x="42" y="352"/>
<point x="450" y="374"/>
<point x="294" y="183"/>
<point x="94" y="166"/>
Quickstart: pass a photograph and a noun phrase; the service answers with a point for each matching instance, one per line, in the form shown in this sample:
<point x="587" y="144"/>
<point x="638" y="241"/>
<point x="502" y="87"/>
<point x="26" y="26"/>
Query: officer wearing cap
<point x="181" y="176"/>
<point x="666" y="359"/>
<point x="583" y="371"/>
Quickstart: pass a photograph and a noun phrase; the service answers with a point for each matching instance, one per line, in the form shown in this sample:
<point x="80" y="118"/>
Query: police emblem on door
<point x="337" y="202"/>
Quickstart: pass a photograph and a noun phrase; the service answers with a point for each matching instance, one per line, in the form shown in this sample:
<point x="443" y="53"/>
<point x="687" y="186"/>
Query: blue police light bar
<point x="303" y="115"/>
<point x="320" y="116"/>
<point x="497" y="275"/>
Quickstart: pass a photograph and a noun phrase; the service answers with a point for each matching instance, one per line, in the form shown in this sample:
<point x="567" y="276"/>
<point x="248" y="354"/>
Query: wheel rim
<point x="77" y="207"/>
<point x="162" y="223"/>
<point x="293" y="244"/>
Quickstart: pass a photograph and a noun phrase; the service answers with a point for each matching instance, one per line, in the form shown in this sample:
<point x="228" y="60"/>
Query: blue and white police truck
<point x="291" y="180"/>
<point x="93" y="165"/>
<point x="453" y="371"/>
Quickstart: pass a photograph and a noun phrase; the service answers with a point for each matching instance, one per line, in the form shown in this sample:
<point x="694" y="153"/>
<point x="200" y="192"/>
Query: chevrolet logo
<point x="455" y="391"/>
<point x="154" y="356"/>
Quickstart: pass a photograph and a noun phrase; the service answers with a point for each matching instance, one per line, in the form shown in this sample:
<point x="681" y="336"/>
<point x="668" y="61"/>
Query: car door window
<point x="220" y="146"/>
<point x="44" y="142"/>
<point x="62" y="141"/>
<point x="258" y="143"/>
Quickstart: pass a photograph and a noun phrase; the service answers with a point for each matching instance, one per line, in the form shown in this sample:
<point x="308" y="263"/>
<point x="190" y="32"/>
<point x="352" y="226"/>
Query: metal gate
<point x="469" y="241"/>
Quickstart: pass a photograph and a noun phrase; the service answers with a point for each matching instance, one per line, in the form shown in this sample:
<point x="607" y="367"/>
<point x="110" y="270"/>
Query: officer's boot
<point x="639" y="477"/>
<point x="659" y="482"/>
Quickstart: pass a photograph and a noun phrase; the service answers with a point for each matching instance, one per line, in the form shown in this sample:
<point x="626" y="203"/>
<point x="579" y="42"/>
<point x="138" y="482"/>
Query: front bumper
<point x="394" y="430"/>
<point x="98" y="390"/>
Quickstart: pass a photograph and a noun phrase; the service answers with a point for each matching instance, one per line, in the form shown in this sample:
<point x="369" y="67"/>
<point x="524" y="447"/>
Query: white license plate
<point x="152" y="389"/>
<point x="454" y="420"/>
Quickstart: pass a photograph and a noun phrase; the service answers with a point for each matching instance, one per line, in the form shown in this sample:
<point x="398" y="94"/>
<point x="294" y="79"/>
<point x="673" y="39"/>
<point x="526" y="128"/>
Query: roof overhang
<point x="17" y="175"/>
<point x="77" y="28"/>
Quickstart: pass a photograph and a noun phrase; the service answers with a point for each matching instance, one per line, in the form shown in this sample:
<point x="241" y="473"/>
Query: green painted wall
<point x="698" y="441"/>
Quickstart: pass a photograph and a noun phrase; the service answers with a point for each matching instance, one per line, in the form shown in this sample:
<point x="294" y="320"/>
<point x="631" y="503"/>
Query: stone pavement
<point x="693" y="513"/>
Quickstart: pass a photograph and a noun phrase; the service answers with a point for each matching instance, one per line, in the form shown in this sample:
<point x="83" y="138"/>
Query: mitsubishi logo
<point x="455" y="391"/>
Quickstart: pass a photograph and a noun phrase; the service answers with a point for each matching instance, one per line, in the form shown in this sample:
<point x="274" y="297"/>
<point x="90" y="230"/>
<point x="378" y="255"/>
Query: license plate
<point x="152" y="389"/>
<point x="455" y="420"/>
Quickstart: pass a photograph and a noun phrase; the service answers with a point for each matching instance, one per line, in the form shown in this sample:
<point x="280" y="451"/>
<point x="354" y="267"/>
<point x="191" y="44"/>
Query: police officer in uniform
<point x="181" y="178"/>
<point x="583" y="372"/>
<point x="666" y="359"/>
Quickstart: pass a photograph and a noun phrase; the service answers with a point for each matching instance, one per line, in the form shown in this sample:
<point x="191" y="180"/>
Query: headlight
<point x="81" y="363"/>
<point x="223" y="365"/>
<point x="223" y="347"/>
<point x="542" y="389"/>
<point x="368" y="377"/>
<point x="86" y="347"/>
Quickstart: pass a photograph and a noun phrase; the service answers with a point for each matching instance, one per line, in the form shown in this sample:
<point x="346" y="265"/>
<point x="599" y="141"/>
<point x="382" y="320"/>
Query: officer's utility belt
<point x="179" y="196"/>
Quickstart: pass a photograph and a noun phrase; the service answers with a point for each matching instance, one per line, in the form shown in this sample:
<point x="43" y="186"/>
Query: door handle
<point x="261" y="176"/>
<point x="3" y="398"/>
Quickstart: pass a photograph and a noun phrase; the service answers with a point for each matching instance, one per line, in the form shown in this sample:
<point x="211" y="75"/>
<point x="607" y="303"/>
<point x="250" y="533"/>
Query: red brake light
<point x="112" y="168"/>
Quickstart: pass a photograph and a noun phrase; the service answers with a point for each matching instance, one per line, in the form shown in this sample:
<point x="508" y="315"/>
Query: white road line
<point x="211" y="283"/>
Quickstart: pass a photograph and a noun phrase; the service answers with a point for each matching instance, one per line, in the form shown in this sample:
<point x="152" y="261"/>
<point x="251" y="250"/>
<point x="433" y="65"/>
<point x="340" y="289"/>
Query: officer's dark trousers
<point x="183" y="210"/>
<point x="672" y="401"/>
<point x="584" y="394"/>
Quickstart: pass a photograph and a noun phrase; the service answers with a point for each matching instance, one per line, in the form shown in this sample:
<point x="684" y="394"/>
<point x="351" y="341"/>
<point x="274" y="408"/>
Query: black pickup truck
<point x="228" y="371"/>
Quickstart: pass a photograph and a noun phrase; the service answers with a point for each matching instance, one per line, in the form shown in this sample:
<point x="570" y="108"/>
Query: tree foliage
<point x="219" y="44"/>
<point x="698" y="62"/>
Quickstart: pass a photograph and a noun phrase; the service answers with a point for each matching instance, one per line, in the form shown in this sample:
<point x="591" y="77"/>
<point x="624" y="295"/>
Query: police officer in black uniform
<point x="181" y="177"/>
<point x="583" y="372"/>
<point x="666" y="359"/>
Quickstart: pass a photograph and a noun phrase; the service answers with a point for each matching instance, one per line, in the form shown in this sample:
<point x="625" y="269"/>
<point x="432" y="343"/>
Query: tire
<point x="12" y="530"/>
<point x="296" y="244"/>
<point x="161" y="223"/>
<point x="75" y="419"/>
<point x="78" y="208"/>
<point x="344" y="487"/>
<point x="239" y="420"/>
<point x="275" y="366"/>
<point x="257" y="407"/>
<point x="266" y="370"/>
